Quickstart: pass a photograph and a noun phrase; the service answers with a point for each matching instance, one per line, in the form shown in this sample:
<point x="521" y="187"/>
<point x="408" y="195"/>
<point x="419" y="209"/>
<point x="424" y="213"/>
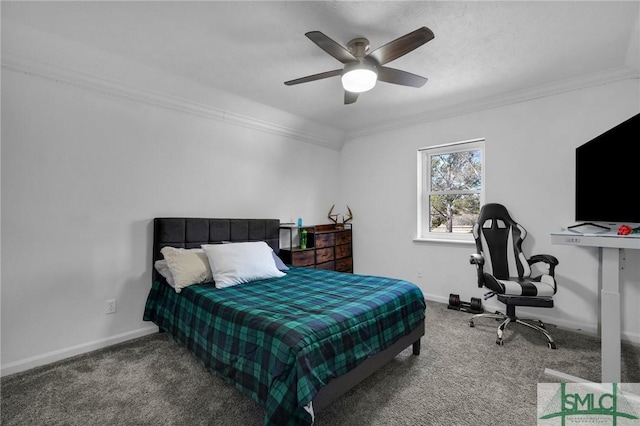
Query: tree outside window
<point x="451" y="190"/>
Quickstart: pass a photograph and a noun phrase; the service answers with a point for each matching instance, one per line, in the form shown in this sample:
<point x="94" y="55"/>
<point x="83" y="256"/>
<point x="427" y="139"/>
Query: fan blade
<point x="403" y="78"/>
<point x="313" y="77"/>
<point x="350" y="97"/>
<point x="401" y="46"/>
<point x="331" y="47"/>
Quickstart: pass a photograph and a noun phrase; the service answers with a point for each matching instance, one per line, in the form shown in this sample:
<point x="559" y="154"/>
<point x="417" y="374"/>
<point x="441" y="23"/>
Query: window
<point x="450" y="190"/>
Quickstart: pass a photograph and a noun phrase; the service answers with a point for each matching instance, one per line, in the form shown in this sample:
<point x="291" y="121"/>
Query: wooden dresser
<point x="328" y="247"/>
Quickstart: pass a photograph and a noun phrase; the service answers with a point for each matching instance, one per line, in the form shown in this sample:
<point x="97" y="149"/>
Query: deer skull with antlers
<point x="334" y="217"/>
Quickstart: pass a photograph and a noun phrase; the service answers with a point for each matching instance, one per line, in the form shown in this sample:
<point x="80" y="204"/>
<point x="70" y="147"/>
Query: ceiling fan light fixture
<point x="359" y="77"/>
<point x="362" y="68"/>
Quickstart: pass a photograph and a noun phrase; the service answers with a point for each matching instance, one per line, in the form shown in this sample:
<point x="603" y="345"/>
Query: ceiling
<point x="482" y="51"/>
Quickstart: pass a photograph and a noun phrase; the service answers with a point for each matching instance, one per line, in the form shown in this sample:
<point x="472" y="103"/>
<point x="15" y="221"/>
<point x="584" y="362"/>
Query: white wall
<point x="84" y="173"/>
<point x="93" y="151"/>
<point x="530" y="149"/>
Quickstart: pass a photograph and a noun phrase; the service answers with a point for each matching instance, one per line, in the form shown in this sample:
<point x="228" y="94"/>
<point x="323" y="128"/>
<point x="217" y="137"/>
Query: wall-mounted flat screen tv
<point x="608" y="176"/>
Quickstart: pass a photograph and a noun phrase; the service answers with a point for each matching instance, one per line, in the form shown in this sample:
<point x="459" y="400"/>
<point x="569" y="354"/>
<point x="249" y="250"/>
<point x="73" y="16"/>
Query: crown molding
<point x="116" y="88"/>
<point x="15" y="63"/>
<point x="606" y="77"/>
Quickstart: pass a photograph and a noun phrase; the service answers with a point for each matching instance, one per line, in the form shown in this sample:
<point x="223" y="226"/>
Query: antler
<point x="349" y="218"/>
<point x="333" y="217"/>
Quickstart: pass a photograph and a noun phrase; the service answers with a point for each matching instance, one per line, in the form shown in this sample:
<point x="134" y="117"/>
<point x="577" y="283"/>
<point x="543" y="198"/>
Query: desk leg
<point x="610" y="315"/>
<point x="609" y="320"/>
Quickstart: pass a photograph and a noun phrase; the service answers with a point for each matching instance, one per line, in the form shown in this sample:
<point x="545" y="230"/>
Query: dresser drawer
<point x="344" y="265"/>
<point x="343" y="251"/>
<point x="324" y="254"/>
<point x="325" y="240"/>
<point x="343" y="237"/>
<point x="327" y="265"/>
<point x="303" y="258"/>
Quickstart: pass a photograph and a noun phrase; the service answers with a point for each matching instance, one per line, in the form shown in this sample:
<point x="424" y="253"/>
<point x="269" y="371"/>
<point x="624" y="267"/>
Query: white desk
<point x="610" y="245"/>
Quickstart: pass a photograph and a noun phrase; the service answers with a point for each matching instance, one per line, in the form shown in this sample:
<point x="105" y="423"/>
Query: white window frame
<point x="424" y="179"/>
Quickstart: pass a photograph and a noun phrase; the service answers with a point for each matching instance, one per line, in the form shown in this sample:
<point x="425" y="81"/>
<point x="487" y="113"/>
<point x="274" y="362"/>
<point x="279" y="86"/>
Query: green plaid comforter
<point x="280" y="340"/>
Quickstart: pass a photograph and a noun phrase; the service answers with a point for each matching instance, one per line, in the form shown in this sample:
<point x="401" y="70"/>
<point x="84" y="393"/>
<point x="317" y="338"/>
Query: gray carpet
<point x="460" y="378"/>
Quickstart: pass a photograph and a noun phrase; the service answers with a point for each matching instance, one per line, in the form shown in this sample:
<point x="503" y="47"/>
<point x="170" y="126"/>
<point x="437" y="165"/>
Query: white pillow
<point x="238" y="263"/>
<point x="163" y="269"/>
<point x="187" y="266"/>
<point x="279" y="263"/>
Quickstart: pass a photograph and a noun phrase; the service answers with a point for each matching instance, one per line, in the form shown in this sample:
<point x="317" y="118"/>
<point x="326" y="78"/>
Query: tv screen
<point x="608" y="175"/>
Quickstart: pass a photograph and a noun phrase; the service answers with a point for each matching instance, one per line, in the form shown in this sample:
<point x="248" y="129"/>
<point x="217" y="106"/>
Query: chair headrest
<point x="495" y="212"/>
<point x="495" y="223"/>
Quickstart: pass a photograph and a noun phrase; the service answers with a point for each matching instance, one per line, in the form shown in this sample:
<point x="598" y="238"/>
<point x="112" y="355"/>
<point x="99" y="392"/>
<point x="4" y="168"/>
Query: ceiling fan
<point x="361" y="69"/>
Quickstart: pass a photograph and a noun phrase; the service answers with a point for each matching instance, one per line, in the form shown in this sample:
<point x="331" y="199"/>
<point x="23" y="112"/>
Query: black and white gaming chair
<point x="506" y="272"/>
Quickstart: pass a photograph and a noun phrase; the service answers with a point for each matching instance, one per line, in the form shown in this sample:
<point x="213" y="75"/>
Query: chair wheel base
<point x="511" y="318"/>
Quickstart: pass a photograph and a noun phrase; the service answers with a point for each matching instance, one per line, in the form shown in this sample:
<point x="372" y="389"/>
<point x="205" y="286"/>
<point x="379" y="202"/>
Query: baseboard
<point x="626" y="336"/>
<point x="49" y="357"/>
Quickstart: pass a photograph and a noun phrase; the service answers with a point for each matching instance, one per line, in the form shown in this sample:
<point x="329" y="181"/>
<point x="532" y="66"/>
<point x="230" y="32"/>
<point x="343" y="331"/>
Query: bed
<point x="292" y="343"/>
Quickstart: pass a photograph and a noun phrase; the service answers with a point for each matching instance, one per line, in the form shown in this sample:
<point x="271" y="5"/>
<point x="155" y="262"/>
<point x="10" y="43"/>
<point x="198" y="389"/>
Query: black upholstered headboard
<point x="192" y="232"/>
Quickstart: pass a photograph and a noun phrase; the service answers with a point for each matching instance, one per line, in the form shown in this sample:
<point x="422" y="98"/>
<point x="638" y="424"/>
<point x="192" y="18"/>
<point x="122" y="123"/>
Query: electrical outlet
<point x="111" y="306"/>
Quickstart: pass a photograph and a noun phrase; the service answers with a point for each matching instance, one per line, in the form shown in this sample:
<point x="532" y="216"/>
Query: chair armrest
<point x="550" y="260"/>
<point x="478" y="260"/>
